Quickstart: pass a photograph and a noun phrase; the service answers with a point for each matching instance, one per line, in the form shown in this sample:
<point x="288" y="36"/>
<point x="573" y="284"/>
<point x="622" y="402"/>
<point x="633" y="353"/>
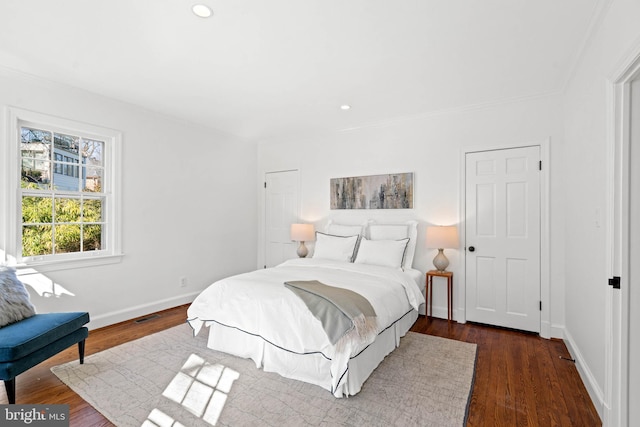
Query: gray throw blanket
<point x="346" y="316"/>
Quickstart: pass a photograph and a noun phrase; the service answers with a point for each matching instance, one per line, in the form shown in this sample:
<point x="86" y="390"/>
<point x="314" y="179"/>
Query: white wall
<point x="189" y="205"/>
<point x="587" y="133"/>
<point x="431" y="146"/>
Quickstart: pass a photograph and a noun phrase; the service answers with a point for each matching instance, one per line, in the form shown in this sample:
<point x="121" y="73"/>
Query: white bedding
<point x="258" y="310"/>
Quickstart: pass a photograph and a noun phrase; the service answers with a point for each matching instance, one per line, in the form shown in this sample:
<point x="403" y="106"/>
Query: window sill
<point x="57" y="265"/>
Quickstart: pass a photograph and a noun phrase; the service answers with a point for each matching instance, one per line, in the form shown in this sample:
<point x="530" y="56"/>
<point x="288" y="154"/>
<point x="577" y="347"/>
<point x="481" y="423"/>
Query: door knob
<point x="472" y="249"/>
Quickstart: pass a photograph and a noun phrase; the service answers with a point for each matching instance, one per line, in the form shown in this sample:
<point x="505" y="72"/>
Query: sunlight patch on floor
<point x="157" y="418"/>
<point x="201" y="388"/>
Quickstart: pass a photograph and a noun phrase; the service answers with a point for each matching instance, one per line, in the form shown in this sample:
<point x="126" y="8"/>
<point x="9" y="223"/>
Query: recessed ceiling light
<point x="201" y="10"/>
<point x="345" y="107"/>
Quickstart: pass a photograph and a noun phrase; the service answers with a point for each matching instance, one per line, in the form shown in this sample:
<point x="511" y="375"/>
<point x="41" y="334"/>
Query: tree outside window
<point x="63" y="204"/>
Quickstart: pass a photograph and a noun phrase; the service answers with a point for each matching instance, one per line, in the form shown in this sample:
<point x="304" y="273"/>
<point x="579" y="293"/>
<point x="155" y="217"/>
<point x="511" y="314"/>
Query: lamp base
<point x="440" y="261"/>
<point x="302" y="250"/>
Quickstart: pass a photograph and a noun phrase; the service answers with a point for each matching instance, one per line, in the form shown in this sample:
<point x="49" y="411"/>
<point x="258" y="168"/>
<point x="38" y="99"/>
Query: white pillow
<point x="337" y="248"/>
<point x="397" y="231"/>
<point x="387" y="253"/>
<point x="15" y="304"/>
<point x="344" y="229"/>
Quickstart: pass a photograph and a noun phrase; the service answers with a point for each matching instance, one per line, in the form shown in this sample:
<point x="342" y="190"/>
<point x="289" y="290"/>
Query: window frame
<point x="112" y="239"/>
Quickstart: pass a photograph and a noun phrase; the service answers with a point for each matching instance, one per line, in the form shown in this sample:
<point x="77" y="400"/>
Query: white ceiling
<point x="264" y="68"/>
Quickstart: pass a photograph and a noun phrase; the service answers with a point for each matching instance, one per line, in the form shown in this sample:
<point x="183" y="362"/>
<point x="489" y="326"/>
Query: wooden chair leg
<point x="10" y="386"/>
<point x="81" y="351"/>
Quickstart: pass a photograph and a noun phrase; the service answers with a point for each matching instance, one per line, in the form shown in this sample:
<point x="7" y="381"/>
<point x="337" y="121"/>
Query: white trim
<point x="460" y="285"/>
<point x="546" y="329"/>
<point x="112" y="186"/>
<point x="5" y="189"/>
<point x="589" y="380"/>
<point x="557" y="331"/>
<point x="71" y="264"/>
<point x="111" y="318"/>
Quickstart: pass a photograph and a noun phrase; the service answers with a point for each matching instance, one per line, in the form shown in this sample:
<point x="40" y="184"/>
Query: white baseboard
<point x="545" y="329"/>
<point x="556" y="331"/>
<point x="129" y="313"/>
<point x="594" y="390"/>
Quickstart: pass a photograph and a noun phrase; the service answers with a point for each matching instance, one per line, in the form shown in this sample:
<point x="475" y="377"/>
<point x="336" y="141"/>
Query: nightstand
<point x="429" y="294"/>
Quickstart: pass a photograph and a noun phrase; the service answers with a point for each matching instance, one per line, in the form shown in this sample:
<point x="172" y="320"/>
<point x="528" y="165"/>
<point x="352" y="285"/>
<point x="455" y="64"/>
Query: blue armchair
<point x="26" y="343"/>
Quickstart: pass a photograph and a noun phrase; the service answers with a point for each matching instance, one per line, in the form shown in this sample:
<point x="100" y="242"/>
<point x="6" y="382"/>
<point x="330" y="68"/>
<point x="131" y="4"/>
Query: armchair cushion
<point x="20" y="339"/>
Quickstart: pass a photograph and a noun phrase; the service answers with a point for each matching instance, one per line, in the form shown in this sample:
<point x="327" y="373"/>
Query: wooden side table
<point x="429" y="294"/>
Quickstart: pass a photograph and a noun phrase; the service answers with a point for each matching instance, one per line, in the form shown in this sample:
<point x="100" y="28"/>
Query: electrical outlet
<point x="183" y="281"/>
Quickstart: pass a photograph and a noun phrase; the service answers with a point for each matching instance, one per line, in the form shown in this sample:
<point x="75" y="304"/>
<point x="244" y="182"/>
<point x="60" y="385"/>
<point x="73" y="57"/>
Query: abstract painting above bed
<point x="391" y="191"/>
<point x="253" y="315"/>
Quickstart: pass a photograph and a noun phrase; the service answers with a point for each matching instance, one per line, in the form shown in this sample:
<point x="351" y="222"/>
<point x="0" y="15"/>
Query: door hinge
<point x="615" y="282"/>
<point x="265" y="184"/>
<point x="540" y="165"/>
<point x="540" y="305"/>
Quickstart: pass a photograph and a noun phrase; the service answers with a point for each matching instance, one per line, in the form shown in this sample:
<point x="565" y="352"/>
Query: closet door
<point x="281" y="210"/>
<point x="502" y="211"/>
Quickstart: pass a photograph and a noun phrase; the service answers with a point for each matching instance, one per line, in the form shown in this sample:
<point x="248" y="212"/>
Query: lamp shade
<point x="302" y="232"/>
<point x="442" y="237"/>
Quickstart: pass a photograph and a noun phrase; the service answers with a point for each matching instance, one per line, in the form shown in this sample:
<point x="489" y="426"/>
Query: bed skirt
<point x="311" y="367"/>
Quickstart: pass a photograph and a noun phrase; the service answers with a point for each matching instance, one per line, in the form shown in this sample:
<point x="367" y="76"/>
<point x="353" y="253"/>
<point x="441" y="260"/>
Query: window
<point x="67" y="189"/>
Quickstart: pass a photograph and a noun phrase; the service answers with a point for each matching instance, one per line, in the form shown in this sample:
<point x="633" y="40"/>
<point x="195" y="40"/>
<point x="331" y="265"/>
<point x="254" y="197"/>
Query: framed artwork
<point x="392" y="191"/>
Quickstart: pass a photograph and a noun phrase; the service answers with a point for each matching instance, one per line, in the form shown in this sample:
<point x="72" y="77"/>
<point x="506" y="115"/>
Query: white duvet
<point x="259" y="304"/>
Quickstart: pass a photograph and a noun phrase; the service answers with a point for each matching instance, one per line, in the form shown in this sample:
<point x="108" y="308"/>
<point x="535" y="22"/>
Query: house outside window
<point x="67" y="182"/>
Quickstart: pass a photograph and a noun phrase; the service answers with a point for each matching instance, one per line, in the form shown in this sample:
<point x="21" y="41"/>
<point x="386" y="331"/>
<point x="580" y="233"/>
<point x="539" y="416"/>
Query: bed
<point x="254" y="315"/>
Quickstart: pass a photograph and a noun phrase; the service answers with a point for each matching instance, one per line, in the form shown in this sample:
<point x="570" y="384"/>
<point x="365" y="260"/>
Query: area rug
<point x="172" y="379"/>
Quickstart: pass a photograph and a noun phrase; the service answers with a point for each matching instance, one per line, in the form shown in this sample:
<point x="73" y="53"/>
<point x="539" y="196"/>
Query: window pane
<point x="35" y="144"/>
<point x="34" y="137"/>
<point x="36" y="240"/>
<point x="93" y="172"/>
<point x="67" y="238"/>
<point x="63" y="178"/>
<point x="36" y="210"/>
<point x="66" y="156"/>
<point x="92" y="237"/>
<point x="93" y="179"/>
<point x="92" y="210"/>
<point x="35" y="174"/>
<point x="92" y="151"/>
<point x="66" y="143"/>
<point x="67" y="210"/>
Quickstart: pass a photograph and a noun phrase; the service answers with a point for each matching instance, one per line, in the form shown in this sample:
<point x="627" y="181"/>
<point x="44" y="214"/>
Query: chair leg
<point x="81" y="351"/>
<point x="10" y="386"/>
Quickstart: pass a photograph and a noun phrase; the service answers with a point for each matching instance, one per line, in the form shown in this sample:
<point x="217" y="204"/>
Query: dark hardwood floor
<point x="520" y="378"/>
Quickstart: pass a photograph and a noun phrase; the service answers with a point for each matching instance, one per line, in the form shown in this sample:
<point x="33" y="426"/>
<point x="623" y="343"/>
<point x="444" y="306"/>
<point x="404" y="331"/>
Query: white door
<point x="633" y="284"/>
<point x="502" y="228"/>
<point x="623" y="344"/>
<point x="281" y="210"/>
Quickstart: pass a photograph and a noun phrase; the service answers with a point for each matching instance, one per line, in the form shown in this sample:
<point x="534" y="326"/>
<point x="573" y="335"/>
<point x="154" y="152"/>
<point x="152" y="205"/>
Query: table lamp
<point x="442" y="237"/>
<point x="302" y="233"/>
